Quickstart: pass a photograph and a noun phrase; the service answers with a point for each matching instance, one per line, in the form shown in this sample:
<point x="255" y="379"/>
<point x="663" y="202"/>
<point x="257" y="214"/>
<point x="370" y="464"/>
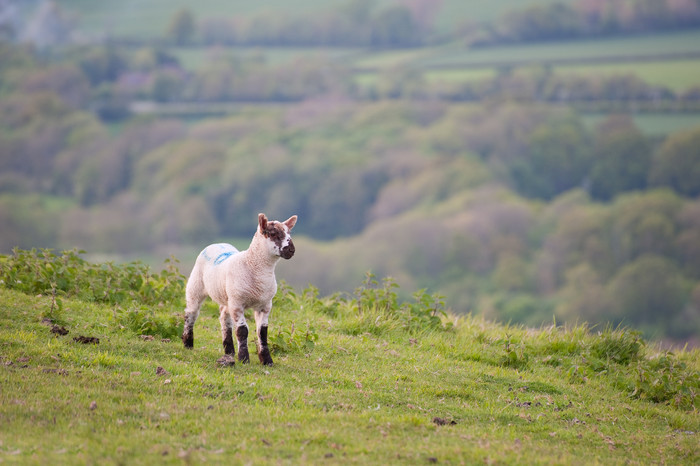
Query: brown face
<point x="278" y="233"/>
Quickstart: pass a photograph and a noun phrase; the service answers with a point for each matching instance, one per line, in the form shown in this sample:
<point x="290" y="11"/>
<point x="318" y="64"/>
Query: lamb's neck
<point x="258" y="256"/>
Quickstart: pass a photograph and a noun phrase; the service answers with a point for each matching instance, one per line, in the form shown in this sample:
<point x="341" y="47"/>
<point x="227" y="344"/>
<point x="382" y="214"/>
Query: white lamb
<point x="237" y="281"/>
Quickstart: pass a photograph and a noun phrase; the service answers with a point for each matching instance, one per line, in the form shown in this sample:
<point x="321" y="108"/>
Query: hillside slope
<point x="362" y="378"/>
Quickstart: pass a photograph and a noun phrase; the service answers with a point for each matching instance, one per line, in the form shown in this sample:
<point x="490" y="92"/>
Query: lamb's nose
<point x="288" y="251"/>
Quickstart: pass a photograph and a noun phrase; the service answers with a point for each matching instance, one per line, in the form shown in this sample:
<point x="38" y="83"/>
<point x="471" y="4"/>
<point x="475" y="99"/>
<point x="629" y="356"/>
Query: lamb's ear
<point x="262" y="222"/>
<point x="291" y="221"/>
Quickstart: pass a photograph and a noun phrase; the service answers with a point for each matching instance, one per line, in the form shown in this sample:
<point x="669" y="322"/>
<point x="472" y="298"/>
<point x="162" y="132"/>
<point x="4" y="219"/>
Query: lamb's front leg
<point x="261" y="318"/>
<point x="241" y="333"/>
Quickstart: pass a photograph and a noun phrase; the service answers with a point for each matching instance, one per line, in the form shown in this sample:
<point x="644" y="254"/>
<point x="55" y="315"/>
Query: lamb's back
<point x="214" y="262"/>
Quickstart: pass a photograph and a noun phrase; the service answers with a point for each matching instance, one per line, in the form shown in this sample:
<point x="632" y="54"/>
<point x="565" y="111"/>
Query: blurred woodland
<point x="527" y="195"/>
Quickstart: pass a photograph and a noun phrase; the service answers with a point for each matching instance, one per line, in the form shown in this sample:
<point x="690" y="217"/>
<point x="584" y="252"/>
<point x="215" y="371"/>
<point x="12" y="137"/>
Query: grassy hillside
<point x="361" y="378"/>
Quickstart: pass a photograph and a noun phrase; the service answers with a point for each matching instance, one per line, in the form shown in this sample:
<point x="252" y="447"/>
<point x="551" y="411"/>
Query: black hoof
<point x="264" y="356"/>
<point x="243" y="356"/>
<point x="188" y="340"/>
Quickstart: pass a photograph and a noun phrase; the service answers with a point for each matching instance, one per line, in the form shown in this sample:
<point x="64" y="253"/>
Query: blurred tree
<point x="167" y="85"/>
<point x="540" y="22"/>
<point x="642" y="224"/>
<point x="339" y="204"/>
<point x="512" y="273"/>
<point x="583" y="297"/>
<point x="688" y="240"/>
<point x="522" y="308"/>
<point x="184" y="167"/>
<point x="50" y="25"/>
<point x="9" y="21"/>
<point x="65" y="81"/>
<point x="35" y="128"/>
<point x="218" y="31"/>
<point x="182" y="27"/>
<point x="424" y="13"/>
<point x="677" y="163"/>
<point x="357" y="11"/>
<point x="648" y="292"/>
<point x="557" y="159"/>
<point x="394" y="27"/>
<point x="102" y="64"/>
<point x="581" y="236"/>
<point x="26" y="222"/>
<point x="621" y="158"/>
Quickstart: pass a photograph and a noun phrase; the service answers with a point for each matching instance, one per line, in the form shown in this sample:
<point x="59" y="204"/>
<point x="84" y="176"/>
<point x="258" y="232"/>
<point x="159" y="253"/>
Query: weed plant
<point x="67" y="274"/>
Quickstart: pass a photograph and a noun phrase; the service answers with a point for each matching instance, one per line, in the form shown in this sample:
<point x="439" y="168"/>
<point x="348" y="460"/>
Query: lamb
<point x="237" y="281"/>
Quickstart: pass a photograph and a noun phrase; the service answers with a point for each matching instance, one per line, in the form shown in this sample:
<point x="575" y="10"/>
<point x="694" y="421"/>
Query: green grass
<point x="379" y="382"/>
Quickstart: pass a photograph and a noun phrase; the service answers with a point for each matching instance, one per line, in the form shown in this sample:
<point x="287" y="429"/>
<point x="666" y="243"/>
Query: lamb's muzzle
<point x="288" y="251"/>
<point x="237" y="281"/>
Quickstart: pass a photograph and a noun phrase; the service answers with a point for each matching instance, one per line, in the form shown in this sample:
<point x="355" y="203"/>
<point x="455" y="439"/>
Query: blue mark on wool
<point x="218" y="253"/>
<point x="222" y="257"/>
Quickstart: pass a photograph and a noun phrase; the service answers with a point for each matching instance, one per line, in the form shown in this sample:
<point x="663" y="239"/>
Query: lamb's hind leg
<point x="194" y="303"/>
<point x="226" y="330"/>
<point x="238" y="315"/>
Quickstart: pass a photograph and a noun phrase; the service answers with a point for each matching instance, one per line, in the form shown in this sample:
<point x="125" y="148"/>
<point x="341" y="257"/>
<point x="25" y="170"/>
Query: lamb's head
<point x="279" y="241"/>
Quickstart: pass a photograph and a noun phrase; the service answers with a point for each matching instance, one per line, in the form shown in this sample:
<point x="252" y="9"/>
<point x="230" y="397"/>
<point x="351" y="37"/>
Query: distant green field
<point x="451" y="76"/>
<point x="678" y="75"/>
<point x="149" y="18"/>
<point x="622" y="55"/>
<point x="613" y="49"/>
<point x="369" y="78"/>
<point x="456" y="12"/>
<point x="195" y="58"/>
<point x="654" y="124"/>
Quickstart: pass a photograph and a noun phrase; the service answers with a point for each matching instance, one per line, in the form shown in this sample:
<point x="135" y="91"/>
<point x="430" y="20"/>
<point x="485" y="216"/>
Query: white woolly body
<point x="229" y="276"/>
<point x="239" y="280"/>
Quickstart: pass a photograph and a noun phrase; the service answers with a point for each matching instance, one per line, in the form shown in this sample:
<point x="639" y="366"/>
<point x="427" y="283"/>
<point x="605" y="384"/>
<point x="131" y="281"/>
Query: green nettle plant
<point x="377" y="309"/>
<point x="146" y="321"/>
<point x="293" y="340"/>
<point x="663" y="379"/>
<point x="68" y="275"/>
